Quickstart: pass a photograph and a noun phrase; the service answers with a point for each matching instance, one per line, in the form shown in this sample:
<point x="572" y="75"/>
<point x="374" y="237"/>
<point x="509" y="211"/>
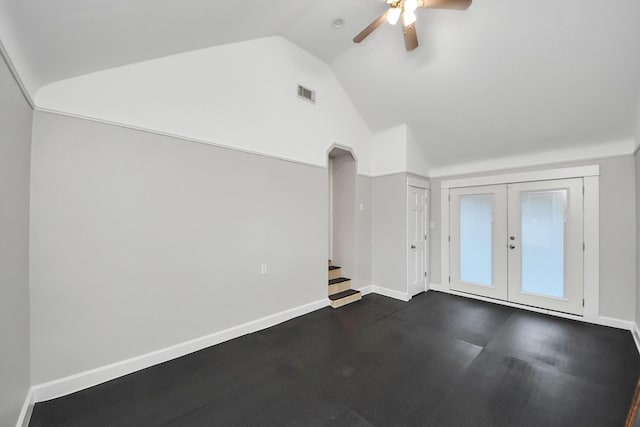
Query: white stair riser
<point x="348" y="300"/>
<point x="339" y="287"/>
<point x="334" y="274"/>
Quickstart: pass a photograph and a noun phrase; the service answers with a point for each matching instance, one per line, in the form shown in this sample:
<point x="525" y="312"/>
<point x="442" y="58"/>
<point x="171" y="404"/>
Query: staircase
<point x="340" y="292"/>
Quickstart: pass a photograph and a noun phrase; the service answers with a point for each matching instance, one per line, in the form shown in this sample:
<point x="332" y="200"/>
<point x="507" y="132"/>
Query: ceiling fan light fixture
<point x="408" y="18"/>
<point x="393" y="15"/>
<point x="406" y="9"/>
<point x="410" y="6"/>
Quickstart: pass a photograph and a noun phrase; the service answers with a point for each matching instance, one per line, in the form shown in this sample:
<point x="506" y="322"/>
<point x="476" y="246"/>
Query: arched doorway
<point x="342" y="170"/>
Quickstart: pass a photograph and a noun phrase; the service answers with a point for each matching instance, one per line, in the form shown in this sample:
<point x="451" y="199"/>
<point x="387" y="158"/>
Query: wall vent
<point x="308" y="94"/>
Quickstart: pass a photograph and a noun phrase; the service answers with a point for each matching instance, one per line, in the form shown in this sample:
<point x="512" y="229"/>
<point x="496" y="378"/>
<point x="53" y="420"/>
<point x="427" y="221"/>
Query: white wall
<point x="396" y="150"/>
<point x="241" y="95"/>
<point x="140" y="242"/>
<point x="9" y="43"/>
<point x="617" y="233"/>
<point x="390" y="151"/>
<point x="15" y="150"/>
<point x="417" y="161"/>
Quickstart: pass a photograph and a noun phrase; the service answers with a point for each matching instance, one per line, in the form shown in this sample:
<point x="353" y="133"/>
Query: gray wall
<point x="363" y="232"/>
<point x="389" y="231"/>
<point x="617" y="233"/>
<point x="141" y="241"/>
<point x="637" y="170"/>
<point x="15" y="149"/>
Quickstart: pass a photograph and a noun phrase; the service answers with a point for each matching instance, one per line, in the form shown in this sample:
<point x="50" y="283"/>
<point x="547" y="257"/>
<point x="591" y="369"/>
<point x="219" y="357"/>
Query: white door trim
<point x="591" y="201"/>
<point x="417" y="182"/>
<point x="591" y="227"/>
<point x="543" y="175"/>
<point x="420" y="183"/>
<point x="330" y="195"/>
<point x="426" y="230"/>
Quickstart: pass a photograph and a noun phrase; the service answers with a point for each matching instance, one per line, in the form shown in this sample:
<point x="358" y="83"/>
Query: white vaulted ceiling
<point x="504" y="78"/>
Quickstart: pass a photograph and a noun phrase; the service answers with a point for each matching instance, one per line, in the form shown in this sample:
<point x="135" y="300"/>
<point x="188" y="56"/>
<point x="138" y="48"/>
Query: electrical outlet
<point x="263" y="269"/>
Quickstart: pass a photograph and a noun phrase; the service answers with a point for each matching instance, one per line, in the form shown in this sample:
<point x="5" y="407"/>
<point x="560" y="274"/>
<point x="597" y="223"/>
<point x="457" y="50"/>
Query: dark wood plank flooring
<point x="439" y="360"/>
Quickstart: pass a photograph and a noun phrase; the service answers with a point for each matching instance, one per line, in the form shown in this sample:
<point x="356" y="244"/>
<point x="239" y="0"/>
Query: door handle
<point x="413" y="246"/>
<point x="512" y="246"/>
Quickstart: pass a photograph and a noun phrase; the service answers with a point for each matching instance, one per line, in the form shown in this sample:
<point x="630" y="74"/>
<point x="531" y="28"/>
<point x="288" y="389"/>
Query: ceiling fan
<point x="406" y="9"/>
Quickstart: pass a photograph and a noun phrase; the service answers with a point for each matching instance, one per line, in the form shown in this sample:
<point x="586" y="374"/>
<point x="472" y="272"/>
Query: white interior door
<point x="417" y="238"/>
<point x="478" y="231"/>
<point x="546" y="244"/>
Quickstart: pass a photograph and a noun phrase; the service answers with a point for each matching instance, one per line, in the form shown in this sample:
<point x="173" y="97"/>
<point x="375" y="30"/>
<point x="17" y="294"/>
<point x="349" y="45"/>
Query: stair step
<point x="344" y="298"/>
<point x="343" y="294"/>
<point x="333" y="267"/>
<point x="335" y="272"/>
<point x="338" y="285"/>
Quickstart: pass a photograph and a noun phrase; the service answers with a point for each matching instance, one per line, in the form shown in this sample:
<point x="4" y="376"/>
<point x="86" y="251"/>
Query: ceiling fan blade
<point x="369" y="29"/>
<point x="410" y="36"/>
<point x="445" y="4"/>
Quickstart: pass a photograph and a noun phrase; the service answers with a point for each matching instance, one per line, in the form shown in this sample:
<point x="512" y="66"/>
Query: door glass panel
<point x="476" y="230"/>
<point x="543" y="242"/>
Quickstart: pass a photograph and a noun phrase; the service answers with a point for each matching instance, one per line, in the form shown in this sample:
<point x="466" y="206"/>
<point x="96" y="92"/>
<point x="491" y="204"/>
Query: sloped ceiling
<point x="503" y="78"/>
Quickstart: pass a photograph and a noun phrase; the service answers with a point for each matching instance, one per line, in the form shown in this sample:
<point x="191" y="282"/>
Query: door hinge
<point x="583" y="302"/>
<point x="425" y="274"/>
<point x="583" y="190"/>
<point x="449" y="238"/>
<point x="583" y="247"/>
<point x="449" y="197"/>
<point x="449" y="279"/>
<point x="425" y="237"/>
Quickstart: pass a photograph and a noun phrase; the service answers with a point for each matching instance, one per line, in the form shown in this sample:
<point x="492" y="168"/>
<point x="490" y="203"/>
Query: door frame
<point x="591" y="266"/>
<point x="349" y="261"/>
<point x="424" y="184"/>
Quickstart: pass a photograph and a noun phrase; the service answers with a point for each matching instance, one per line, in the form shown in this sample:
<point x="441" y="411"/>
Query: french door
<point x="520" y="242"/>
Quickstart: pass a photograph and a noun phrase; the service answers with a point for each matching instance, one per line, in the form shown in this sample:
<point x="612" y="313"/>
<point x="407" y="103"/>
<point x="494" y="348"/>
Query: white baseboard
<point x="82" y="380"/>
<point x="597" y="320"/>
<point x="25" y="412"/>
<point x="365" y="290"/>
<point x="437" y="287"/>
<point x="612" y="322"/>
<point x="402" y="296"/>
<point x="635" y="332"/>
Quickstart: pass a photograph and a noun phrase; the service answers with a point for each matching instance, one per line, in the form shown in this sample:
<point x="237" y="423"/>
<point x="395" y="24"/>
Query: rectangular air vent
<point x="308" y="94"/>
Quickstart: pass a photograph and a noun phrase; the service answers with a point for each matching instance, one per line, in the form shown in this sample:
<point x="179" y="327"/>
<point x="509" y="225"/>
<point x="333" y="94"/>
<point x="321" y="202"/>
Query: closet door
<point x="478" y="232"/>
<point x="546" y="244"/>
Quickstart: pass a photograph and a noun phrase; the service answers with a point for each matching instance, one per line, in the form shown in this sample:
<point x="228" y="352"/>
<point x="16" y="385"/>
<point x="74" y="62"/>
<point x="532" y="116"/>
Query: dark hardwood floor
<point x="439" y="360"/>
